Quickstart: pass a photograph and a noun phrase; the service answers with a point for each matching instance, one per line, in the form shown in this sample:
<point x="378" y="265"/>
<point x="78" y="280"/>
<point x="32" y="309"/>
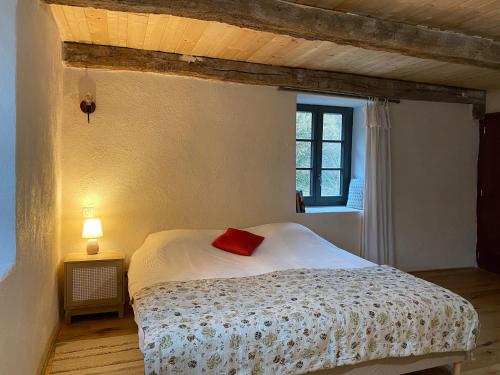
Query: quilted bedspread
<point x="297" y="321"/>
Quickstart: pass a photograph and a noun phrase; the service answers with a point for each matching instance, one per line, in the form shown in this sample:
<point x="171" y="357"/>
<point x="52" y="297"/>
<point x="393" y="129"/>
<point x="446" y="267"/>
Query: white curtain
<point x="377" y="240"/>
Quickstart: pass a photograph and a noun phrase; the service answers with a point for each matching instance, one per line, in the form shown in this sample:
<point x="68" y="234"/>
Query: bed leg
<point x="457" y="368"/>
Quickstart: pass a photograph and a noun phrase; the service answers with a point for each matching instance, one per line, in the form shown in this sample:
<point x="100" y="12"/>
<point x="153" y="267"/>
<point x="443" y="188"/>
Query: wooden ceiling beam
<point x="282" y="17"/>
<point x="120" y="58"/>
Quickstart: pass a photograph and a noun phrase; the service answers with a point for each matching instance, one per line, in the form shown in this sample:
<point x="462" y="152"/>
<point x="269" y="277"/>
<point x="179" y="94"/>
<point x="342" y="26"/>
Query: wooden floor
<point x="480" y="287"/>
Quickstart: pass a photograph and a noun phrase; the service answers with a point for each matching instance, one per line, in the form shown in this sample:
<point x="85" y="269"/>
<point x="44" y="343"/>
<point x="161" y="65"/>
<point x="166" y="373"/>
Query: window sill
<point x="5" y="269"/>
<point x="323" y="209"/>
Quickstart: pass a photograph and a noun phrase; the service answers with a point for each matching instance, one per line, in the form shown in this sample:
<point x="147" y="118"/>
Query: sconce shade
<point x="92" y="228"/>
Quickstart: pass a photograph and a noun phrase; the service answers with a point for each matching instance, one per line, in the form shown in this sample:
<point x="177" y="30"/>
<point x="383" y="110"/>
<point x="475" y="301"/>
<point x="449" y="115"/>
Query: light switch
<point x="88" y="212"/>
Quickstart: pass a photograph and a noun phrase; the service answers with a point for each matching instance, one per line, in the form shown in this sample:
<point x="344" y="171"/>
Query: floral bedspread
<point x="297" y="321"/>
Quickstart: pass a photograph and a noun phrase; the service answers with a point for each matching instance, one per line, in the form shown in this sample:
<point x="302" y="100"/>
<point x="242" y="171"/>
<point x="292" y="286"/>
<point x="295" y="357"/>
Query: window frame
<point x="317" y="141"/>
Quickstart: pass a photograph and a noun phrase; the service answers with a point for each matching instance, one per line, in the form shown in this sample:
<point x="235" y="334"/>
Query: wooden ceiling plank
<point x="136" y="30"/>
<point x="235" y="44"/>
<point x="415" y="66"/>
<point x="154" y="31"/>
<point x="83" y="24"/>
<point x="251" y="42"/>
<point x="333" y="54"/>
<point x="122" y="30"/>
<point x="117" y="28"/>
<point x="97" y="21"/>
<point x="302" y="52"/>
<point x="463" y="22"/>
<point x="281" y="47"/>
<point x="114" y="29"/>
<point x="172" y="36"/>
<point x="192" y="34"/>
<point x="350" y="60"/>
<point x="258" y="41"/>
<point x="62" y="22"/>
<point x="284" y="18"/>
<point x="265" y="53"/>
<point x="488" y="21"/>
<point x="441" y="14"/>
<point x="72" y="24"/>
<point x="205" y="44"/>
<point x="77" y="22"/>
<point x="108" y="57"/>
<point x="219" y="35"/>
<point x="384" y="65"/>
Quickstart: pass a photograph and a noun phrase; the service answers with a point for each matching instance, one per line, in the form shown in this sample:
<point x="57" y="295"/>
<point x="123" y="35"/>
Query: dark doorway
<point x="488" y="194"/>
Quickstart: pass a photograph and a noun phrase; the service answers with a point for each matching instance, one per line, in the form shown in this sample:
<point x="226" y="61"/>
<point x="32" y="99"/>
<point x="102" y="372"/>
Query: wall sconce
<point x="88" y="105"/>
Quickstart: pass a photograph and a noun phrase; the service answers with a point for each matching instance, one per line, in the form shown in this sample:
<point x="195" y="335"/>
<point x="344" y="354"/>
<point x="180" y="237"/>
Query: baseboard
<point x="49" y="349"/>
<point x="458" y="268"/>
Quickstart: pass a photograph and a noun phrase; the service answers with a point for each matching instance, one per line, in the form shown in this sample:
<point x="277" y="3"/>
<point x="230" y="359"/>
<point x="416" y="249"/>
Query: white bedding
<point x="181" y="255"/>
<point x="361" y="312"/>
<point x="298" y="321"/>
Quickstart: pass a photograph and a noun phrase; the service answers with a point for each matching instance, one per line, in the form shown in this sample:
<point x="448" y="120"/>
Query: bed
<point x="297" y="305"/>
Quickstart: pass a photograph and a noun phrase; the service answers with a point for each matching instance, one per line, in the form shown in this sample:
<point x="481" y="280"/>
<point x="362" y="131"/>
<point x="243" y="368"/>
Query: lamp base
<point x="92" y="247"/>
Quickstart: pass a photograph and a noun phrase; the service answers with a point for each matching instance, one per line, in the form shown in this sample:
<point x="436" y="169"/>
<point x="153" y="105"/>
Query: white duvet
<point x="181" y="255"/>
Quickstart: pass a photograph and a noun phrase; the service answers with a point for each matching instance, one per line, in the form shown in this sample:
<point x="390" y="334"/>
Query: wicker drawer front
<point x="94" y="283"/>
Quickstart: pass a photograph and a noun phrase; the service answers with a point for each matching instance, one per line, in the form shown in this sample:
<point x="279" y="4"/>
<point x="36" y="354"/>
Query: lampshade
<point x="92" y="228"/>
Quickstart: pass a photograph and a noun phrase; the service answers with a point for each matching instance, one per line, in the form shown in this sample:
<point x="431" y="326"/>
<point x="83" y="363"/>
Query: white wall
<point x="8" y="136"/>
<point x="358" y="143"/>
<point x="493" y="101"/>
<point x="434" y="161"/>
<point x="28" y="295"/>
<point x="167" y="152"/>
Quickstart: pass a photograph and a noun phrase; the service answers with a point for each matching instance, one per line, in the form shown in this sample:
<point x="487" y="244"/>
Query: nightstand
<point x="93" y="283"/>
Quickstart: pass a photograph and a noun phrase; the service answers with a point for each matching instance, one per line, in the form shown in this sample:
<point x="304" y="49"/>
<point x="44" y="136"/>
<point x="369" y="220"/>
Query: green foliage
<point x="331" y="153"/>
<point x="332" y="127"/>
<point x="303" y="125"/>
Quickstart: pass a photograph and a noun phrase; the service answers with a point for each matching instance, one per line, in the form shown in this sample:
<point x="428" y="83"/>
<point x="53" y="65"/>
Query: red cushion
<point x="238" y="241"/>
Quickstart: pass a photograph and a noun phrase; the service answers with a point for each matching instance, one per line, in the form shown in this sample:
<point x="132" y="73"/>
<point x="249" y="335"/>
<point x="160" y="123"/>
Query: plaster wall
<point x="28" y="294"/>
<point x="169" y="152"/>
<point x="165" y="152"/>
<point x="358" y="143"/>
<point x="434" y="177"/>
<point x="493" y="101"/>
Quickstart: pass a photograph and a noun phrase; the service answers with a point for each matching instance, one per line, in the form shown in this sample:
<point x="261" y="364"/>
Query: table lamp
<point x="92" y="230"/>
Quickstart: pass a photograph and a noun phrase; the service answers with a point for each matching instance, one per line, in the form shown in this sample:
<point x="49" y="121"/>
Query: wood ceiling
<point x="474" y="17"/>
<point x="167" y="33"/>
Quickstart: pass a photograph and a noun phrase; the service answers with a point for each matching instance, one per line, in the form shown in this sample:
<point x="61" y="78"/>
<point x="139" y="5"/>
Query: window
<point x="8" y="138"/>
<point x="323" y="154"/>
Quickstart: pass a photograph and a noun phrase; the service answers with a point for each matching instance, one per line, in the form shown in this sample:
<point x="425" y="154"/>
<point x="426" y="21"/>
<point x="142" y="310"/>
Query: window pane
<point x="332" y="127"/>
<point x="331" y="157"/>
<point x="330" y="183"/>
<point x="303" y="125"/>
<point x="303" y="182"/>
<point x="303" y="154"/>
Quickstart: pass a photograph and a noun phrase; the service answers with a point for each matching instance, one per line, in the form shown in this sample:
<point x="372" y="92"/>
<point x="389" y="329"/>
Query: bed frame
<point x="398" y="366"/>
<point x="403" y="365"/>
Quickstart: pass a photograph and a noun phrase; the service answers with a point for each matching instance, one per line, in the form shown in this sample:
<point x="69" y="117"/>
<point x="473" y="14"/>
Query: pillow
<point x="356" y="194"/>
<point x="238" y="242"/>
